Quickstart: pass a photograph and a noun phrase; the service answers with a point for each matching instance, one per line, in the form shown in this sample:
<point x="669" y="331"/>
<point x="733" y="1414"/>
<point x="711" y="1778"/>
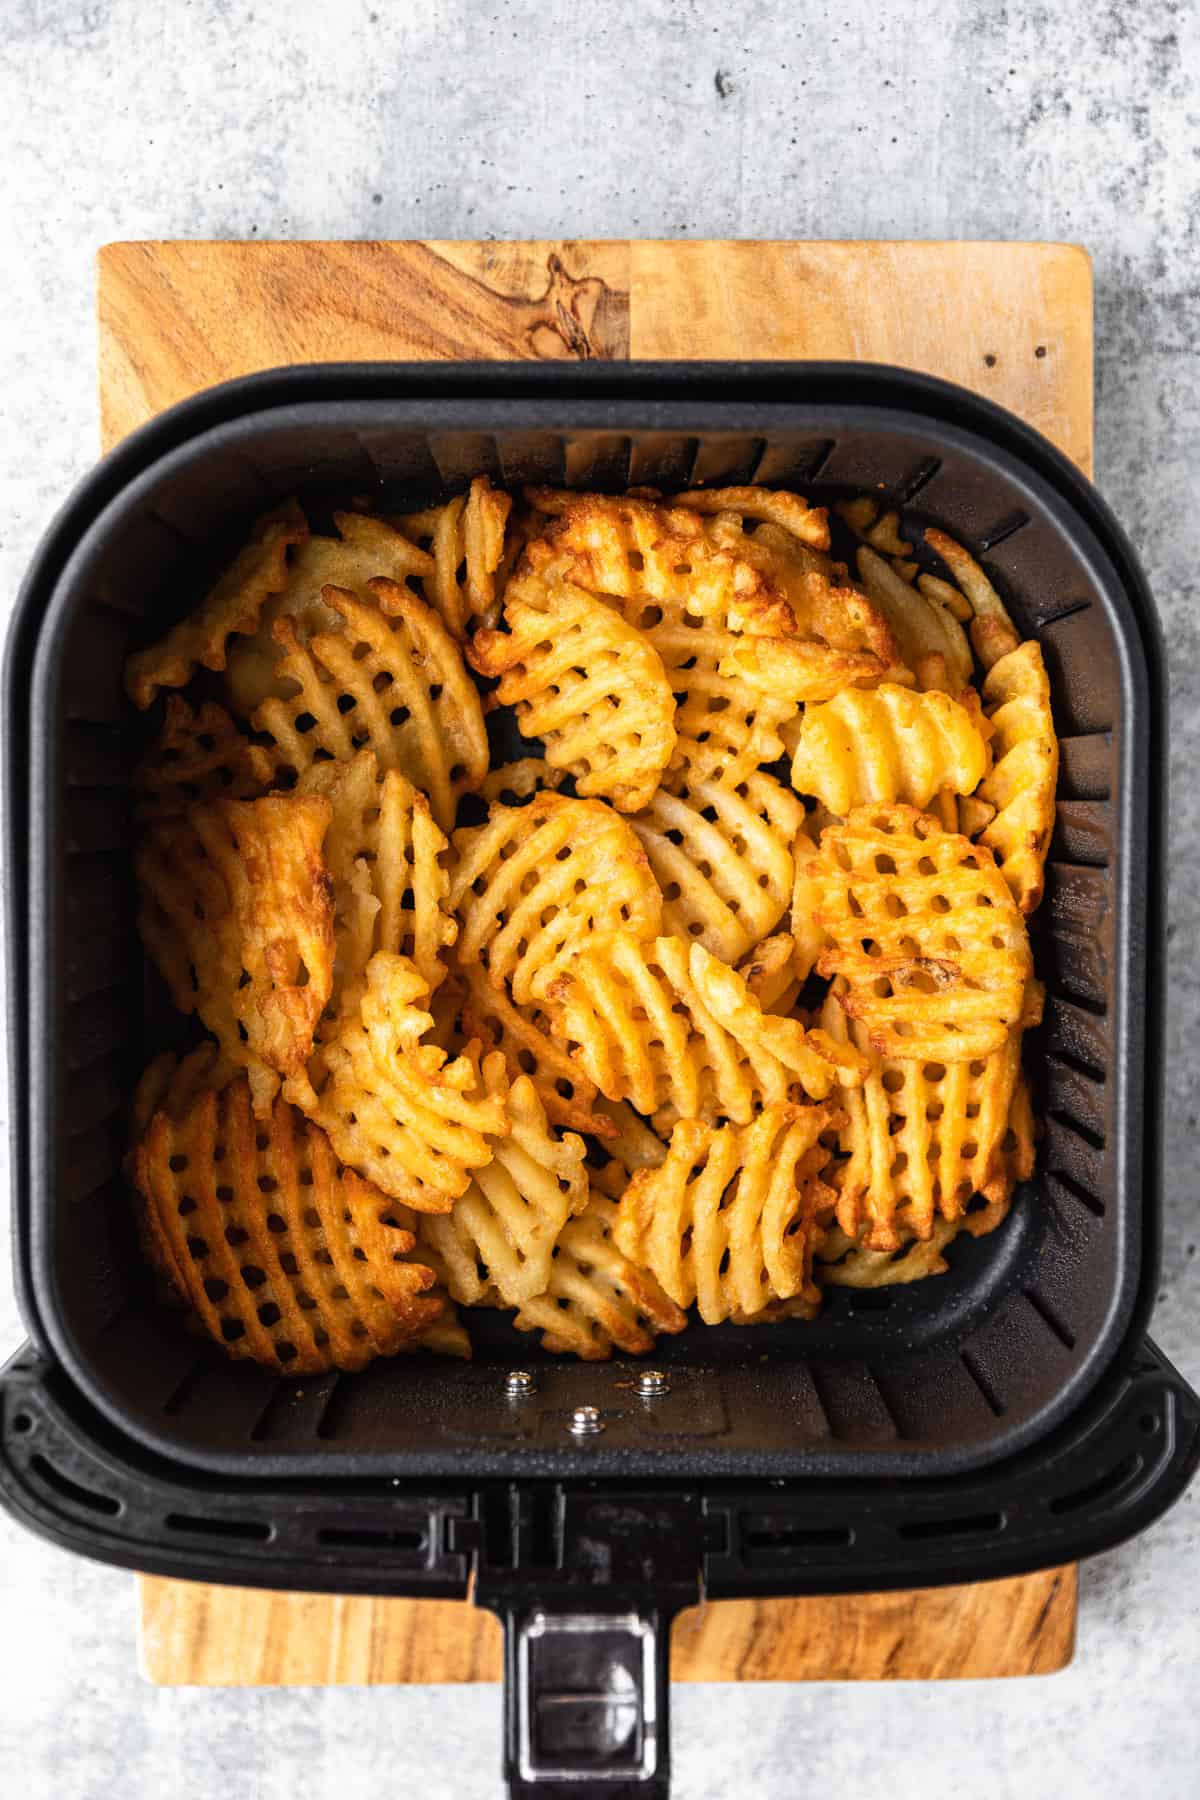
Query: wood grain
<point x="234" y="1637"/>
<point x="1012" y="321"/>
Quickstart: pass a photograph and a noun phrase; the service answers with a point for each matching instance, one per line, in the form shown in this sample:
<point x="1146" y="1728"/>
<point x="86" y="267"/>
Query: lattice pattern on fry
<point x="522" y="1035"/>
<point x="234" y="604"/>
<point x="365" y="547"/>
<point x="631" y="1146"/>
<point x="500" y="1237"/>
<point x="199" y="755"/>
<point x="931" y="641"/>
<point x="804" y="523"/>
<point x="889" y="743"/>
<point x="395" y="1108"/>
<point x="235" y="908"/>
<point x="515" y="782"/>
<point x="1022" y="783"/>
<point x="597" y="1298"/>
<point x="922" y="1137"/>
<point x="922" y="925"/>
<point x="278" y="1250"/>
<point x="667" y="1027"/>
<point x="589" y="685"/>
<point x="723" y="859"/>
<point x="731" y="1219"/>
<point x="465" y="539"/>
<point x="534" y="881"/>
<point x="770" y="974"/>
<point x="385" y="855"/>
<point x="993" y="633"/>
<point x="392" y="681"/>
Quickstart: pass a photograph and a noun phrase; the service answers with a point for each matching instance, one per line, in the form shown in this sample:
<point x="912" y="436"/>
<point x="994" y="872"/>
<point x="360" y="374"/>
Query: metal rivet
<point x="585" y="1421"/>
<point x="519" y="1381"/>
<point x="651" y="1383"/>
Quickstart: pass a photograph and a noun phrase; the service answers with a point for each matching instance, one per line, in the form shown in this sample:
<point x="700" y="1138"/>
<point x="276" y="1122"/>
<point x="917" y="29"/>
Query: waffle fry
<point x="503" y="1229"/>
<point x="278" y="1251"/>
<point x="808" y="938"/>
<point x="722" y="857"/>
<point x="464" y="535"/>
<point x="394" y="1107"/>
<point x="806" y="524"/>
<point x="234" y="604"/>
<point x="923" y="927"/>
<point x="533" y="881"/>
<point x="1023" y="780"/>
<point x="236" y="911"/>
<point x="769" y="973"/>
<point x="597" y="1298"/>
<point x="392" y="681"/>
<point x="631" y="1146"/>
<point x="365" y="547"/>
<point x="385" y="855"/>
<point x="515" y="782"/>
<point x="993" y="633"/>
<point x="931" y="641"/>
<point x="199" y="755"/>
<point x="522" y="1035"/>
<point x="731" y="1219"/>
<point x="885" y="744"/>
<point x="586" y="683"/>
<point x="678" y="1034"/>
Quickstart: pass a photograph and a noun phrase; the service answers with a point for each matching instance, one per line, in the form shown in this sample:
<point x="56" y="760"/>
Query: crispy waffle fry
<point x="501" y="1234"/>
<point x="807" y="524"/>
<point x="365" y="547"/>
<point x="385" y="856"/>
<point x="279" y="1251"/>
<point x="236" y="910"/>
<point x="465" y="539"/>
<point x="514" y="782"/>
<point x="533" y="881"/>
<point x="796" y="671"/>
<point x="667" y="1027"/>
<point x="522" y="1035"/>
<point x="199" y="755"/>
<point x="1022" y="783"/>
<point x="171" y="1084"/>
<point x="922" y="925"/>
<point x="234" y="604"/>
<point x="631" y="1146"/>
<point x="392" y="681"/>
<point x="769" y="972"/>
<point x="808" y="938"/>
<point x="731" y="1219"/>
<point x="876" y="746"/>
<point x="931" y="641"/>
<point x="723" y="859"/>
<point x="597" y="1299"/>
<point x="586" y="683"/>
<point x="394" y="1107"/>
<point x="992" y="631"/>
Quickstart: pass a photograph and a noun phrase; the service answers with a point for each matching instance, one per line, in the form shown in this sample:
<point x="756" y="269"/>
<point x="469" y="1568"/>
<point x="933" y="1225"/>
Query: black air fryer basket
<point x="1008" y="1415"/>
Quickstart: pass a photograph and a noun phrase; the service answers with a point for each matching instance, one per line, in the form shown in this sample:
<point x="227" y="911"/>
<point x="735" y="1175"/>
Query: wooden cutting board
<point x="1013" y="322"/>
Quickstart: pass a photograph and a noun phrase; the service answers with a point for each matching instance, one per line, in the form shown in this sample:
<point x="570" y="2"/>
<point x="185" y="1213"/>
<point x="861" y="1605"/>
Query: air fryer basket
<point x="1001" y="1417"/>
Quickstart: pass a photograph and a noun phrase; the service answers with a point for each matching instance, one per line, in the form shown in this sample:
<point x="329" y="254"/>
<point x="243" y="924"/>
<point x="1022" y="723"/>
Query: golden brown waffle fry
<point x="234" y="604"/>
<point x="879" y="529"/>
<point x="199" y="755"/>
<point x="385" y="855"/>
<point x="723" y="859"/>
<point x="808" y="524"/>
<point x="770" y="974"/>
<point x="931" y="641"/>
<point x="523" y="1037"/>
<point x="1022" y="783"/>
<point x="731" y="1219"/>
<point x="394" y="1107"/>
<point x="171" y="1084"/>
<point x="923" y="927"/>
<point x="465" y="538"/>
<point x="840" y="1262"/>
<point x="501" y="1234"/>
<point x="597" y="1298"/>
<point x="808" y="938"/>
<point x="278" y="1250"/>
<point x="447" y="1336"/>
<point x="365" y="547"/>
<point x="667" y="1027"/>
<point x="992" y="631"/>
<point x="797" y="671"/>
<point x="236" y="910"/>
<point x="586" y="683"/>
<point x="518" y="781"/>
<point x="631" y="1146"/>
<point x="922" y="1137"/>
<point x="876" y="746"/>
<point x="534" y="881"/>
<point x="393" y="681"/>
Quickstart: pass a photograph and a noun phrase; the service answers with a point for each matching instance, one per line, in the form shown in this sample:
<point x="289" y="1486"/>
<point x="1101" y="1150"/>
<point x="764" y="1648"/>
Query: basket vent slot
<point x="370" y="1537"/>
<point x="251" y="1529"/>
<point x="1006" y="528"/>
<point x="974" y="1525"/>
<point x="1102" y="1488"/>
<point x="72" y="1491"/>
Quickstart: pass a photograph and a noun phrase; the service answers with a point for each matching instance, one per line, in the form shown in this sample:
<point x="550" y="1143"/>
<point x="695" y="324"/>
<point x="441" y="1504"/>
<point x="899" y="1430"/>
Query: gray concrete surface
<point x="366" y="118"/>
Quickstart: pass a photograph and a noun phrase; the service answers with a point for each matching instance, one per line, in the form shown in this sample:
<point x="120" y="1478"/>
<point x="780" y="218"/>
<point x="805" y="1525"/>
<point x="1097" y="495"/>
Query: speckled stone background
<point x="368" y="118"/>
